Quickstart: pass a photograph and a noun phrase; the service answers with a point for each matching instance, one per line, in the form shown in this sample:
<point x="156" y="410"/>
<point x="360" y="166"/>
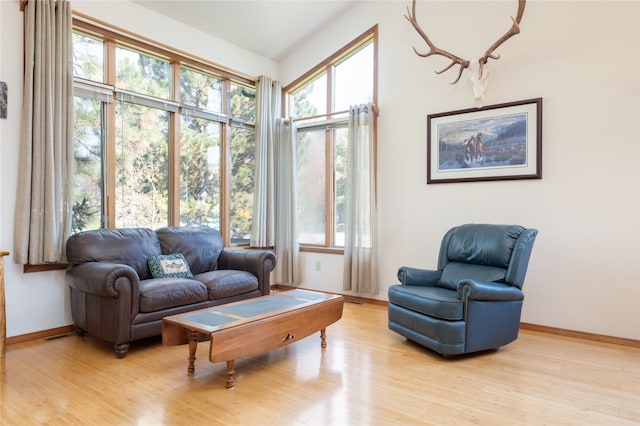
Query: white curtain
<point x="267" y="111"/>
<point x="44" y="200"/>
<point x="360" y="247"/>
<point x="287" y="269"/>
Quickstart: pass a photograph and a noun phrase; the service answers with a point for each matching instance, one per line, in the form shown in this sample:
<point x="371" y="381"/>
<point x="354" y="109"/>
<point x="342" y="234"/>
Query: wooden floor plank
<point x="367" y="375"/>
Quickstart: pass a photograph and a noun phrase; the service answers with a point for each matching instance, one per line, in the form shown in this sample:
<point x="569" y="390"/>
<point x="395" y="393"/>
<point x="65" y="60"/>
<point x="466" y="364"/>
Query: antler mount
<point x="457" y="60"/>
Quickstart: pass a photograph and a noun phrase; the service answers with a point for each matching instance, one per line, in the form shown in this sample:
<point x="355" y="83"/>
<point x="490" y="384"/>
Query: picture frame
<point x="495" y="142"/>
<point x="3" y="99"/>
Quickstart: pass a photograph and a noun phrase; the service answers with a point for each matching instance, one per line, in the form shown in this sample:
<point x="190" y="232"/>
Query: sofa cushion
<point x="128" y="246"/>
<point x="227" y="282"/>
<point x="163" y="293"/>
<point x="433" y="301"/>
<point x="169" y="266"/>
<point x="201" y="246"/>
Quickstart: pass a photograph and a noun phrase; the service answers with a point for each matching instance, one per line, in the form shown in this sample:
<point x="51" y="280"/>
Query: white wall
<point x="36" y="301"/>
<point x="582" y="59"/>
<point x="40" y="301"/>
<point x="140" y="20"/>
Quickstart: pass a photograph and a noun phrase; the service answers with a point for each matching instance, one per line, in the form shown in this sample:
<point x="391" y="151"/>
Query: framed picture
<point x="496" y="142"/>
<point x="3" y="99"/>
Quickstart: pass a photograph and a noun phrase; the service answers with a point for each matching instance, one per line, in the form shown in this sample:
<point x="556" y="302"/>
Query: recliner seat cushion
<point x="227" y="282"/>
<point x="163" y="293"/>
<point x="437" y="302"/>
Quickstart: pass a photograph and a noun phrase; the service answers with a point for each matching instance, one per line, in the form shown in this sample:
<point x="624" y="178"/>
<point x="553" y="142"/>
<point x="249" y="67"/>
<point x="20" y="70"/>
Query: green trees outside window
<point x="141" y="166"/>
<point x="148" y="154"/>
<point x="87" y="154"/>
<point x="200" y="175"/>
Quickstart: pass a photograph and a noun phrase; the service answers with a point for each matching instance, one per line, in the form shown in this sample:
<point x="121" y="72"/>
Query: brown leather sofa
<point x="115" y="297"/>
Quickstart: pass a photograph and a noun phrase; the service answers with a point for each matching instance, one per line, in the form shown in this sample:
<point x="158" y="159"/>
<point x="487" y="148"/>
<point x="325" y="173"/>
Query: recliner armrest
<point x="415" y="276"/>
<point x="99" y="278"/>
<point x="488" y="290"/>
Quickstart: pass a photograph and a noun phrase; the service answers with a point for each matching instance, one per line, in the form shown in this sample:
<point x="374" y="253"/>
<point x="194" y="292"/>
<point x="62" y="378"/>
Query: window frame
<point x="113" y="37"/>
<point x="332" y="120"/>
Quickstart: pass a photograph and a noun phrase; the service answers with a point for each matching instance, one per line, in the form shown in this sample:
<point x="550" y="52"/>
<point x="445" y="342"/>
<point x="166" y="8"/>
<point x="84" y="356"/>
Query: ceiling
<point x="270" y="28"/>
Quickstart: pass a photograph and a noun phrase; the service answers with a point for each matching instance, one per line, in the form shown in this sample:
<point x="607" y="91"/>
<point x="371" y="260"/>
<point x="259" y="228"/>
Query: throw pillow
<point x="169" y="266"/>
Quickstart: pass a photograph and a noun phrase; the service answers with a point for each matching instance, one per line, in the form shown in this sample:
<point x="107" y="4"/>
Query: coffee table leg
<point x="230" y="373"/>
<point x="323" y="338"/>
<point x="193" y="344"/>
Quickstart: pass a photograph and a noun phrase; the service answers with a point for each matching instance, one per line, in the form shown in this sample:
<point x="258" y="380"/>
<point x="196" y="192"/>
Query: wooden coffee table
<point x="253" y="326"/>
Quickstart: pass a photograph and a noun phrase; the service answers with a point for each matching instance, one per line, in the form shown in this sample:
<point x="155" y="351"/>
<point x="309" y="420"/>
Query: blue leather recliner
<point x="473" y="301"/>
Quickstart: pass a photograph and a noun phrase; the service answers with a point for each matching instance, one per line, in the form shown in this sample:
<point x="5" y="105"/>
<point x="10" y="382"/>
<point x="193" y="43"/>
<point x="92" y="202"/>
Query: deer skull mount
<point x="478" y="72"/>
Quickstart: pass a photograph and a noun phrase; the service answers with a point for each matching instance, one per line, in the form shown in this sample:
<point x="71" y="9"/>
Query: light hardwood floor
<point x="367" y="375"/>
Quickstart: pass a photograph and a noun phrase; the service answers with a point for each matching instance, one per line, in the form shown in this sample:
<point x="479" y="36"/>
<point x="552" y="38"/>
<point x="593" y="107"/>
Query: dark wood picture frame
<point x="4" y="99"/>
<point x="495" y="142"/>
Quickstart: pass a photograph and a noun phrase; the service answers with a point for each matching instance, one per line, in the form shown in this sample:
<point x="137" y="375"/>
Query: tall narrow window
<point x="311" y="179"/>
<point x="200" y="174"/>
<point x="243" y="148"/>
<point x="87" y="164"/>
<point x="319" y="102"/>
<point x="142" y="172"/>
<point x="200" y="149"/>
<point x="89" y="133"/>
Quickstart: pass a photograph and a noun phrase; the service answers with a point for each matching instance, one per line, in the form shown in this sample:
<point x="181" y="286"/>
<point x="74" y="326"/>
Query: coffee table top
<point x="220" y="317"/>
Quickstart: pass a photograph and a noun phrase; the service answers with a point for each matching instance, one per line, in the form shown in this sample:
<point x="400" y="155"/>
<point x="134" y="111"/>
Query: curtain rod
<point x="329" y="114"/>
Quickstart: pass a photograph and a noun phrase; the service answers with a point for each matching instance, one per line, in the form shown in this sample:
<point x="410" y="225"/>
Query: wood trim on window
<point x="46" y="267"/>
<point x="107" y="31"/>
<point x="113" y="36"/>
<point x="328" y="67"/>
<point x="174" y="152"/>
<point x="365" y="37"/>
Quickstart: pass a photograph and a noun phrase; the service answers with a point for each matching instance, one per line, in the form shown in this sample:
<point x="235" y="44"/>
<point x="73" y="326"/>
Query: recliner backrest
<point x="485" y="252"/>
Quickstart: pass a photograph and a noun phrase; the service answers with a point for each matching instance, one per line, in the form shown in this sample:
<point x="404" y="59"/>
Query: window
<point x="148" y="154"/>
<point x="319" y="101"/>
<point x="141" y="166"/>
<point x="88" y="154"/>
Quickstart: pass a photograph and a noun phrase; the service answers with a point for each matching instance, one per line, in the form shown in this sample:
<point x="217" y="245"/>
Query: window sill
<point x="41" y="268"/>
<point x="318" y="249"/>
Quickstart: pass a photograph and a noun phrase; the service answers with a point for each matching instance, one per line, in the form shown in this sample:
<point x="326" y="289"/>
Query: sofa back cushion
<point x="129" y="246"/>
<point x="201" y="246"/>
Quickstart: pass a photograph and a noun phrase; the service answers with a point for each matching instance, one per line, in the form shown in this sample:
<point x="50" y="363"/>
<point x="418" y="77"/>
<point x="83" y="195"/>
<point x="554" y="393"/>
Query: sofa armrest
<point x="258" y="262"/>
<point x="488" y="291"/>
<point x="415" y="276"/>
<point x="100" y="279"/>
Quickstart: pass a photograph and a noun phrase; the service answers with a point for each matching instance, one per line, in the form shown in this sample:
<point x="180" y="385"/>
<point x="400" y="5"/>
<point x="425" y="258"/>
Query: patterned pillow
<point x="169" y="266"/>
